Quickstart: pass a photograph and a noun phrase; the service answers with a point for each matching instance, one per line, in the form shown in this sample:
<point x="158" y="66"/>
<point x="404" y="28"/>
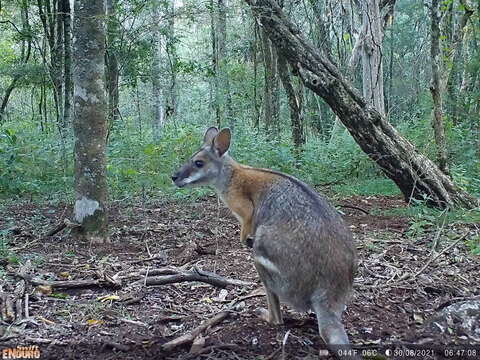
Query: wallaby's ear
<point x="210" y="135"/>
<point x="221" y="143"/>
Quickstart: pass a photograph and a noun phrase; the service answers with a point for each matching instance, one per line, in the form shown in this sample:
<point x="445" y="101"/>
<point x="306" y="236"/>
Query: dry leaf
<point x="108" y="298"/>
<point x="43" y="290"/>
<point x="64" y="274"/>
<point x="93" y="322"/>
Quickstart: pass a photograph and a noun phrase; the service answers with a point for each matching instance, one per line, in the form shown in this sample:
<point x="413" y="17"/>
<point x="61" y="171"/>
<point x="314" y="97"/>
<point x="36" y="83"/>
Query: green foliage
<point x="31" y="163"/>
<point x="474" y="245"/>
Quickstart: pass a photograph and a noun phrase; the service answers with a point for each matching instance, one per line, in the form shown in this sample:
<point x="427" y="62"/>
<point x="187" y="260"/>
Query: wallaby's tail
<point x="333" y="333"/>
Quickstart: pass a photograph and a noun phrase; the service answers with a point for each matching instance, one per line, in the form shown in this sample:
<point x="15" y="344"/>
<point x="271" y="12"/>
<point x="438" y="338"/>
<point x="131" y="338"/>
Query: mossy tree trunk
<point x="90" y="123"/>
<point x="416" y="176"/>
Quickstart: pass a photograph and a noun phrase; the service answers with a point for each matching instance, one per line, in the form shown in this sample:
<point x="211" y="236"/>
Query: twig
<point x="189" y="337"/>
<point x="355" y="208"/>
<point x="133" y="322"/>
<point x="440" y="253"/>
<point x="273" y="354"/>
<point x="437" y="235"/>
<point x="26" y="303"/>
<point x="37" y="340"/>
<point x="207" y="349"/>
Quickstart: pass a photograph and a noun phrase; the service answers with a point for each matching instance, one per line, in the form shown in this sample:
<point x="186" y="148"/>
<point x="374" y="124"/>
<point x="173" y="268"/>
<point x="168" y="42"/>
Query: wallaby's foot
<point x="249" y="241"/>
<point x="265" y="315"/>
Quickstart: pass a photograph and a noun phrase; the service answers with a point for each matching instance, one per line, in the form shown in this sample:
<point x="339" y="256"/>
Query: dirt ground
<point x="399" y="287"/>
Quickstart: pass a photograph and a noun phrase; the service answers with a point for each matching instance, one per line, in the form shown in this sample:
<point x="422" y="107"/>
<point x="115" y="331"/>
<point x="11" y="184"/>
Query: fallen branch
<point x="71" y="284"/>
<point x="153" y="257"/>
<point x="65" y="224"/>
<point x="189" y="337"/>
<point x="194" y="275"/>
<point x="56" y="229"/>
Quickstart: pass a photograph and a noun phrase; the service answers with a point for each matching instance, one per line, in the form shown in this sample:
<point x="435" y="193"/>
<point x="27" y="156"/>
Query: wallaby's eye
<point x="199" y="163"/>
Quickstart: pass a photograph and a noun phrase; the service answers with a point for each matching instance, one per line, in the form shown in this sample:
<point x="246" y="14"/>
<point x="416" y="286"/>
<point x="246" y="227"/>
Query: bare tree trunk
<point x="90" y="123"/>
<point x="112" y="68"/>
<point x="67" y="36"/>
<point x="371" y="50"/>
<point x="157" y="75"/>
<point x="295" y="102"/>
<point x="215" y="83"/>
<point x="271" y="101"/>
<point x="171" y="96"/>
<point x="222" y="58"/>
<point x="222" y="101"/>
<point x="416" y="176"/>
<point x="443" y="53"/>
<point x="436" y="88"/>
<point x="256" y="110"/>
<point x="58" y="62"/>
<point x="53" y="29"/>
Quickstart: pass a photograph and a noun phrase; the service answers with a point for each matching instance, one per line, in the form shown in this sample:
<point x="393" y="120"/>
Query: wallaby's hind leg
<point x="273" y="315"/>
<point x="333" y="333"/>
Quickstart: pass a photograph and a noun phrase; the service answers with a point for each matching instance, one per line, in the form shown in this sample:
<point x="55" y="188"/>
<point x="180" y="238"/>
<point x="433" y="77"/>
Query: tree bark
<point x="224" y="81"/>
<point x="215" y="83"/>
<point x="271" y="101"/>
<point x="90" y="124"/>
<point x="53" y="30"/>
<point x="68" y="85"/>
<point x="171" y="88"/>
<point x="416" y="176"/>
<point x="295" y="103"/>
<point x="157" y="74"/>
<point x="371" y="50"/>
<point x="445" y="50"/>
<point x="436" y="88"/>
<point x="112" y="68"/>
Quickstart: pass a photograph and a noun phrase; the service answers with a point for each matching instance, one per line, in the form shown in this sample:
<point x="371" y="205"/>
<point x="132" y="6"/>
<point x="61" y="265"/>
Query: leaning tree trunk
<point x="416" y="175"/>
<point x="90" y="123"/>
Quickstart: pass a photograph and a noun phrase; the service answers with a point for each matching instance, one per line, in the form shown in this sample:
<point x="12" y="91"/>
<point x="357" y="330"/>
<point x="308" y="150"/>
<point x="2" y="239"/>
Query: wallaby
<point x="302" y="249"/>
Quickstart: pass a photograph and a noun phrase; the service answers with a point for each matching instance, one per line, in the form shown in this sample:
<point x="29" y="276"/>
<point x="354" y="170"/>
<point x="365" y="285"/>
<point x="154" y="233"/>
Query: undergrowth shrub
<point x="37" y="163"/>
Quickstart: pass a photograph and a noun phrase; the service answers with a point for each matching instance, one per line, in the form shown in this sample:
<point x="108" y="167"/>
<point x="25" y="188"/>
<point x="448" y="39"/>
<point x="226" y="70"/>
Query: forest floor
<point x="400" y="285"/>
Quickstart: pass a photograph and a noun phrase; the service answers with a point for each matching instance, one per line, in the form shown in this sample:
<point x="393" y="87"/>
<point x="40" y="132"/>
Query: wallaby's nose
<point x="174" y="177"/>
